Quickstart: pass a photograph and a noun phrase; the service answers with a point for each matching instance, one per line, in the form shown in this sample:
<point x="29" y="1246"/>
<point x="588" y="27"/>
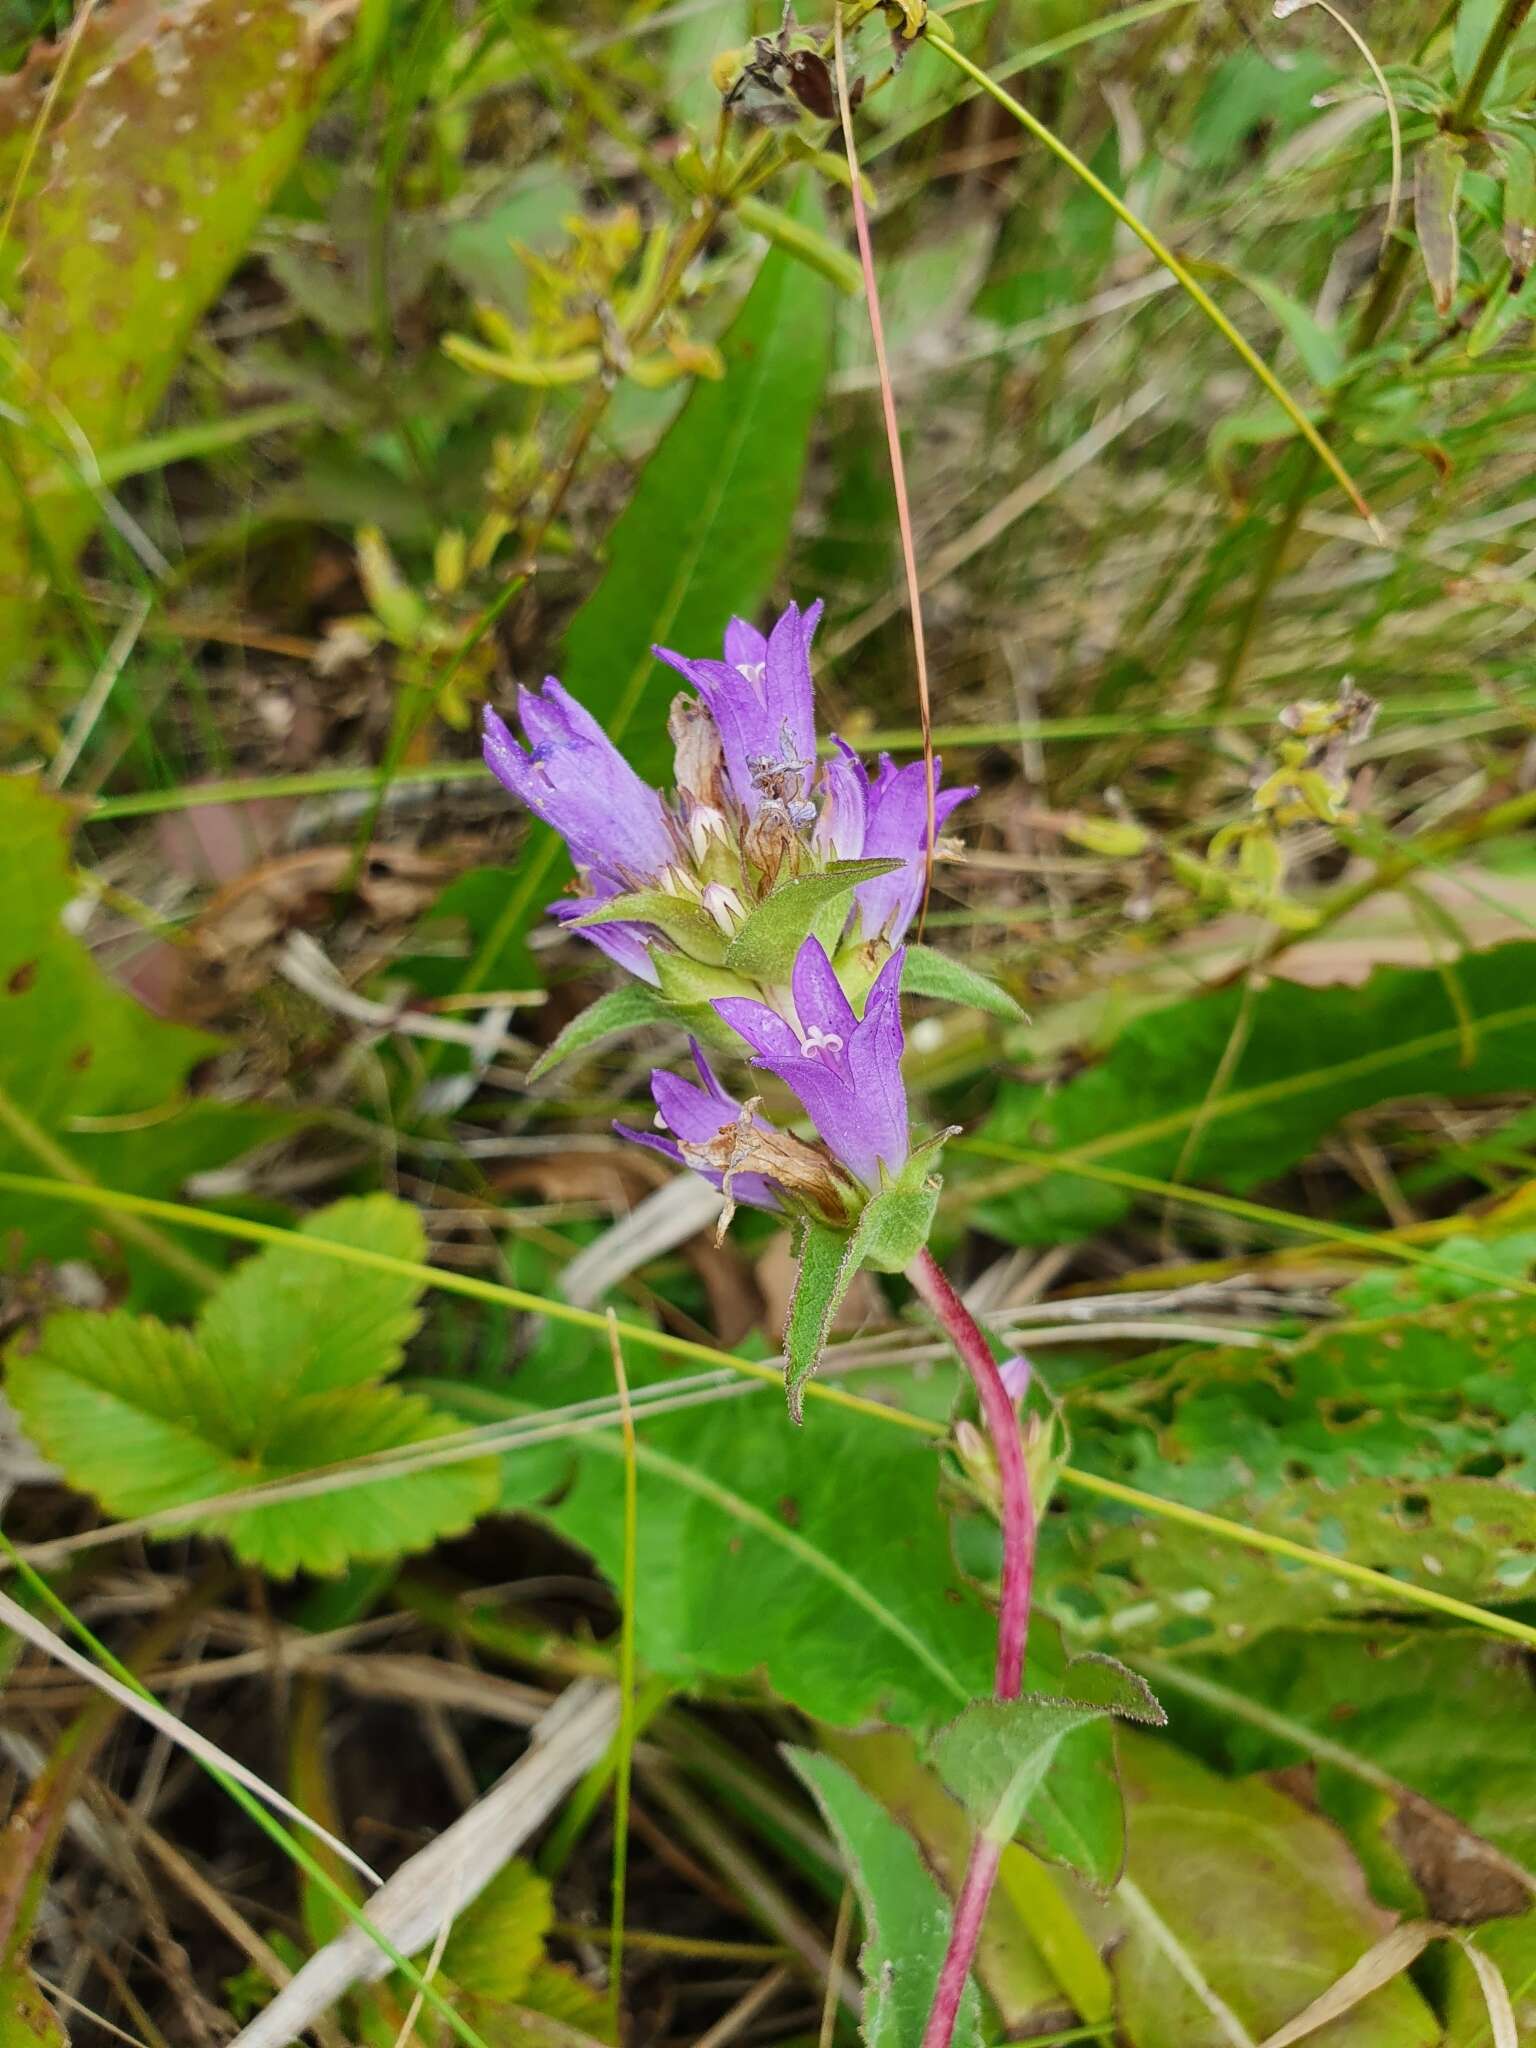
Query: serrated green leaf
<point x="827" y="1262"/>
<point x="1437" y="175"/>
<point x="84" y="1064"/>
<point x="906" y="1916"/>
<point x="765" y="947"/>
<point x="927" y="972"/>
<point x="1307" y="1057"/>
<point x="624" y="1009"/>
<point x="147" y="1417"/>
<point x="996" y="1756"/>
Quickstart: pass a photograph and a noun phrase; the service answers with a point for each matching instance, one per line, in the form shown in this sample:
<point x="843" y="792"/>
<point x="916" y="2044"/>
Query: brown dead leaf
<point x="1463" y="1878"/>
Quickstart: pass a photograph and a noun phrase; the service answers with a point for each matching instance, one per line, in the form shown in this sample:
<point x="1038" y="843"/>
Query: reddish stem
<point x="1003" y="1426"/>
<point x="1012" y="1621"/>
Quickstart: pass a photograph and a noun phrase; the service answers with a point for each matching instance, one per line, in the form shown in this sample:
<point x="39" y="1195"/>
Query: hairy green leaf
<point x="996" y="1756"/>
<point x="765" y="947"/>
<point x="927" y="972"/>
<point x="280" y="1380"/>
<point x="906" y="1917"/>
<point x="621" y="1011"/>
<point x="1304" y="1058"/>
<point x="827" y="1262"/>
<point x="84" y="1070"/>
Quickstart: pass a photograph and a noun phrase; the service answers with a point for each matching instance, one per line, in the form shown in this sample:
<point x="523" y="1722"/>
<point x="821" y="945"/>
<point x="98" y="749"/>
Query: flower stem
<point x="1012" y="1622"/>
<point x="1003" y="1426"/>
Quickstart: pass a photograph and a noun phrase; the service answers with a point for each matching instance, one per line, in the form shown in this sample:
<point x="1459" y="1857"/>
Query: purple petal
<point x="760" y="696"/>
<point x="763" y="1029"/>
<point x="575" y="779"/>
<point x="840" y="827"/>
<point x="820" y="1004"/>
<point x="1014" y="1373"/>
<point x="897" y="828"/>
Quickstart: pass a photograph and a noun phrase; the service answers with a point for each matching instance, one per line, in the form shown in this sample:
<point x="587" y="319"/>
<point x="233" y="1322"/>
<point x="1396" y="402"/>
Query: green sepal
<point x="996" y="1756"/>
<point x="683" y="920"/>
<point x="895" y="1223"/>
<point x="622" y="1009"/>
<point x="765" y="947"/>
<point x="927" y="972"/>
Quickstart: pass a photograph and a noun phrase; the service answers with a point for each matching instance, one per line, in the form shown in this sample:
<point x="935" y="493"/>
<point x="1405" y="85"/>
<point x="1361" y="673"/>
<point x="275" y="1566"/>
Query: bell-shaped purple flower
<point x="574" y="778"/>
<point x="694" y="1116"/>
<point x="846" y="1070"/>
<point x="760" y="697"/>
<point x="896" y="828"/>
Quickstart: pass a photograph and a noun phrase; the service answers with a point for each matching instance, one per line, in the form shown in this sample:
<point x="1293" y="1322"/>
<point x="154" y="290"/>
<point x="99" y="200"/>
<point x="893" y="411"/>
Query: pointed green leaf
<point x="928" y="972"/>
<point x="906" y="1916"/>
<point x="680" y="917"/>
<point x="622" y="1010"/>
<point x="995" y="1757"/>
<point x="827" y="1266"/>
<point x="765" y="947"/>
<point x="1436" y="196"/>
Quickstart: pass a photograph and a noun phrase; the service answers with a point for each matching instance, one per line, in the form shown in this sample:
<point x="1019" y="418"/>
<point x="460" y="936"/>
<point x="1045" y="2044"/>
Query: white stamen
<point x="816" y="1040"/>
<point x="754" y="672"/>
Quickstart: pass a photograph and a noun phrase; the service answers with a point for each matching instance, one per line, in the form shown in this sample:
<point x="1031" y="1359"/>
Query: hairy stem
<point x="1013" y="1614"/>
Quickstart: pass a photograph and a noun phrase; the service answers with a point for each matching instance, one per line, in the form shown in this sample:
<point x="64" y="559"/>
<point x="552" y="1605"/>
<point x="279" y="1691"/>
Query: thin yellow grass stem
<point x="628" y="1594"/>
<point x="1176" y="269"/>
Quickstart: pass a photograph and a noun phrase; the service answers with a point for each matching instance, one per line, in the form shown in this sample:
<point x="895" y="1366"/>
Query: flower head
<point x="846" y="1070"/>
<point x="761" y="700"/>
<point x="574" y="778"/>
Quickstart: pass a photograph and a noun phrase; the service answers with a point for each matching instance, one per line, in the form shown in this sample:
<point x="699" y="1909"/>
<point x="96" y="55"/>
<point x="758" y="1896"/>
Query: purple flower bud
<point x="760" y="698"/>
<point x="846" y="1070"/>
<point x="895" y="827"/>
<point x="1014" y="1373"/>
<point x="574" y="778"/>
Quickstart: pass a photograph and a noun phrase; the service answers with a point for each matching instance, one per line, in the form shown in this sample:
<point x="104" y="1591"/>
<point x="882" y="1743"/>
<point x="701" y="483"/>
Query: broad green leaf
<point x="928" y="972"/>
<point x="280" y="1381"/>
<point x="147" y="195"/>
<point x="1309" y="1058"/>
<point x="827" y="1262"/>
<point x="1475" y="20"/>
<point x="995" y="1758"/>
<point x="815" y="1562"/>
<point x="1403" y="1443"/>
<point x="906" y="1916"/>
<point x="707" y="523"/>
<point x="1237" y="1909"/>
<point x="620" y="1011"/>
<point x="1437" y="173"/>
<point x="83" y="1068"/>
<point x="765" y="947"/>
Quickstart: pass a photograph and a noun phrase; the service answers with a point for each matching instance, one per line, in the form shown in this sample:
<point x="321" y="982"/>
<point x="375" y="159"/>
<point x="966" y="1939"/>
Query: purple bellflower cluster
<point x="766" y="899"/>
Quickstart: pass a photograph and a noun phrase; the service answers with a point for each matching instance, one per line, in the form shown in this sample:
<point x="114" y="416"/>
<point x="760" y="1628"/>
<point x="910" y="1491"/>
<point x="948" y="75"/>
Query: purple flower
<point x="696" y="1115"/>
<point x="896" y="827"/>
<point x="846" y="1070"/>
<point x="761" y="700"/>
<point x="574" y="778"/>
